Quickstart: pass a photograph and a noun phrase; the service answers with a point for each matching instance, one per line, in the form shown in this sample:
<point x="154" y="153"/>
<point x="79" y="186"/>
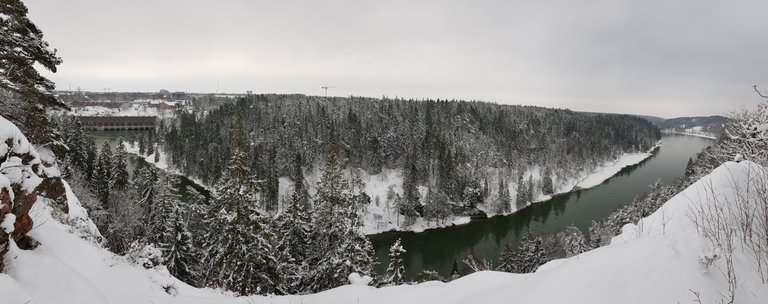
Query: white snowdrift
<point x="656" y="261"/>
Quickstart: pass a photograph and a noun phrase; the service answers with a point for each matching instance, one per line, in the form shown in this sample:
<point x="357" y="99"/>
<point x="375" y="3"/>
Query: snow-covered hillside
<point x="659" y="260"/>
<point x="381" y="215"/>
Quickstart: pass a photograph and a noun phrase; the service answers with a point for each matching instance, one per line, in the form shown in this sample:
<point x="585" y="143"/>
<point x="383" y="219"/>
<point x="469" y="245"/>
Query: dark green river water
<point x="134" y="162"/>
<point x="438" y="249"/>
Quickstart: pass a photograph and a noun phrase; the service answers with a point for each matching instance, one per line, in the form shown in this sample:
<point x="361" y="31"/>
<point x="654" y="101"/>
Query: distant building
<point x="178" y="95"/>
<point x="118" y="122"/>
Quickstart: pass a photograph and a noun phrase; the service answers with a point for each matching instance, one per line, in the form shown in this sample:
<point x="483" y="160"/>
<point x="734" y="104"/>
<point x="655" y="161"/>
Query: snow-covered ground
<point x="603" y="173"/>
<point x="381" y="215"/>
<point x="656" y="261"/>
<point x="695" y="131"/>
<point x="136" y="108"/>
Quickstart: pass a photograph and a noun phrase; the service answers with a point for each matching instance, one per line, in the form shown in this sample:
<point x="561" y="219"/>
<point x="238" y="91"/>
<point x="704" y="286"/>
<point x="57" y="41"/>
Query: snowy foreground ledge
<point x="656" y="261"/>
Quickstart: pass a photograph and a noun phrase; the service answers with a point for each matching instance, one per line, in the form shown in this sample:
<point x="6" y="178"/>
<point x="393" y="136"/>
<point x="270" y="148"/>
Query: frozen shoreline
<point x="595" y="178"/>
<point x="372" y="225"/>
<point x="707" y="136"/>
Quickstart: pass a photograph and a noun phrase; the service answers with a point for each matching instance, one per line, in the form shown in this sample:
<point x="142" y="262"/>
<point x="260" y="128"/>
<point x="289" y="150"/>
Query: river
<point x="438" y="249"/>
<point x="134" y="161"/>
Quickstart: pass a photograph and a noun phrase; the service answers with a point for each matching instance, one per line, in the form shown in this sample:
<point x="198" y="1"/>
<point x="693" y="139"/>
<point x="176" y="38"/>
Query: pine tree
<point x="243" y="259"/>
<point x="574" y="241"/>
<point x="91" y="159"/>
<point x="142" y="144"/>
<point x="102" y="175"/>
<point x="25" y="95"/>
<point x="163" y="212"/>
<point x="529" y="196"/>
<point x="119" y="167"/>
<point x="73" y="136"/>
<point x="181" y="256"/>
<point x="521" y="199"/>
<point x="527" y="258"/>
<point x="503" y="202"/>
<point x="395" y="269"/>
<point x="546" y="182"/>
<point x="340" y="248"/>
<point x="507" y="258"/>
<point x="410" y="203"/>
<point x="144" y="180"/>
<point x="294" y="226"/>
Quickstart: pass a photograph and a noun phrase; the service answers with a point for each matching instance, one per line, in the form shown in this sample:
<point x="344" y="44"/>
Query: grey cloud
<point x="665" y="58"/>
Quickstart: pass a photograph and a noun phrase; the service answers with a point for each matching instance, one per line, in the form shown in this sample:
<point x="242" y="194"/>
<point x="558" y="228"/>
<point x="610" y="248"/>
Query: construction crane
<point x="325" y="88"/>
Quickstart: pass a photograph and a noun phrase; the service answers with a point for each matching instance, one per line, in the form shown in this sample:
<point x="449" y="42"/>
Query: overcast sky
<point x="659" y="57"/>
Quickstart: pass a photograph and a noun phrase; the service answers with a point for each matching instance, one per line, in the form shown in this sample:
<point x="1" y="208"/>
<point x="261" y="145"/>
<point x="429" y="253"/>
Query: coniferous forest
<point x="441" y="143"/>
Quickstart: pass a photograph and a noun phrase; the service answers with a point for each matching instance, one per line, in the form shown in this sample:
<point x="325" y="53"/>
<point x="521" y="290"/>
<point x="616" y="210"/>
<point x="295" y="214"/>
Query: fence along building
<point x="118" y="122"/>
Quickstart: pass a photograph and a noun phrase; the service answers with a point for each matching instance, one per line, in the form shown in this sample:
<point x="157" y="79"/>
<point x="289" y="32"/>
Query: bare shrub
<point x="738" y="222"/>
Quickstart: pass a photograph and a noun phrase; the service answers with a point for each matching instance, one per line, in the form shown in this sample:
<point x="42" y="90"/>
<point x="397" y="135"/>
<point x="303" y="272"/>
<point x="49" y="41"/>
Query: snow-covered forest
<point x="295" y="179"/>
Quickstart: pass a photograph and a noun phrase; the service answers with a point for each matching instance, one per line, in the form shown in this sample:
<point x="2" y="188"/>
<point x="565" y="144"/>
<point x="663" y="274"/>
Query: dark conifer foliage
<point x="25" y="95"/>
<point x="445" y="140"/>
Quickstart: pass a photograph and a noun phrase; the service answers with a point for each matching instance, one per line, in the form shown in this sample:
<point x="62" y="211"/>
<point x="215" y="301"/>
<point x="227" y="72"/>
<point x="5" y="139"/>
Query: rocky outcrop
<point x="24" y="179"/>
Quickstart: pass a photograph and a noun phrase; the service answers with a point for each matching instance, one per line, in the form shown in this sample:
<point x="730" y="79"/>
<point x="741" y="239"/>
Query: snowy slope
<point x="381" y="217"/>
<point x="66" y="268"/>
<point x="656" y="261"/>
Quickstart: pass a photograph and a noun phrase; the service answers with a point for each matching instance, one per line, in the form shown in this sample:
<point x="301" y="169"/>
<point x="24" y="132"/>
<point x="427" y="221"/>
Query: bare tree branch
<point x="758" y="92"/>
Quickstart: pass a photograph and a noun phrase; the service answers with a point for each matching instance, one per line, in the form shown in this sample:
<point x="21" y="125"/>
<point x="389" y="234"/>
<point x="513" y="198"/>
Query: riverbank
<point x="373" y="224"/>
<point x="381" y="215"/>
<point x="162" y="164"/>
<point x="702" y="134"/>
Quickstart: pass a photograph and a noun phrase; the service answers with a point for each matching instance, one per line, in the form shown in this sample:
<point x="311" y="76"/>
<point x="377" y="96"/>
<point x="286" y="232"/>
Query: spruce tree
<point x="503" y="202"/>
<point x="530" y="195"/>
<point x="242" y="259"/>
<point x="546" y="182"/>
<point x="395" y="269"/>
<point x="410" y="203"/>
<point x="181" y="256"/>
<point x="340" y="247"/>
<point x="91" y="158"/>
<point x="574" y="241"/>
<point x="521" y="197"/>
<point x="102" y="175"/>
<point x="119" y="167"/>
<point x="294" y="227"/>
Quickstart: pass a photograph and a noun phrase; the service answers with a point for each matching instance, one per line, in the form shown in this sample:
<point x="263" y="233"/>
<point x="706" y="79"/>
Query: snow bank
<point x="655" y="261"/>
<point x="692" y="132"/>
<point x="603" y="173"/>
<point x="65" y="268"/>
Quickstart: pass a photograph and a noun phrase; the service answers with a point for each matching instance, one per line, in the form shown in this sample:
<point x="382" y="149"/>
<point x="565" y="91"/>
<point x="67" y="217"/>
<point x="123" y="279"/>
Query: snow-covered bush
<point x="146" y="255"/>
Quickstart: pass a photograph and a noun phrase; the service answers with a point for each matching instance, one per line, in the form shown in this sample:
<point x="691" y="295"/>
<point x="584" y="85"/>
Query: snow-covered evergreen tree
<point x="395" y="268"/>
<point x="181" y="255"/>
<point x="574" y="241"/>
<point x="503" y="201"/>
<point x="521" y="197"/>
<point x="546" y="182"/>
<point x="25" y="94"/>
<point x="527" y="258"/>
<point x="410" y="204"/>
<point x="437" y="207"/>
<point x="102" y="175"/>
<point x="530" y="195"/>
<point x="242" y="258"/>
<point x="339" y="246"/>
<point x="119" y="167"/>
<point x="294" y="228"/>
